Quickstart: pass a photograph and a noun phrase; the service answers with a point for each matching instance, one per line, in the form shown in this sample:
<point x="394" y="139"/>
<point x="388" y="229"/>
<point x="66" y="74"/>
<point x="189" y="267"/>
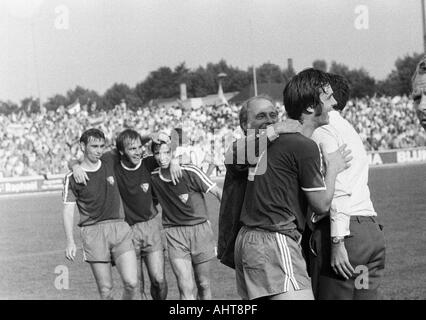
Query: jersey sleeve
<point x="310" y="166"/>
<point x="68" y="195"/>
<point x="198" y="179"/>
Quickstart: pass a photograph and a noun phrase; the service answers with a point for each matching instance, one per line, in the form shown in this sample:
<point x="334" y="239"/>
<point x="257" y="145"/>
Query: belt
<point x="360" y="219"/>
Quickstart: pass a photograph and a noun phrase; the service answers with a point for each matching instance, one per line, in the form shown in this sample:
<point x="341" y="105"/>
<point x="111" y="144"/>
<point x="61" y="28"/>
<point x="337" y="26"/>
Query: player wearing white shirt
<point x="351" y="240"/>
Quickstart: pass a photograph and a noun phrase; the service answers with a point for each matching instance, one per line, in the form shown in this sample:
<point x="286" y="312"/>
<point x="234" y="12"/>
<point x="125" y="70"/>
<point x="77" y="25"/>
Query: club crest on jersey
<point x="183" y="197"/>
<point x="145" y="186"/>
<point x="110" y="179"/>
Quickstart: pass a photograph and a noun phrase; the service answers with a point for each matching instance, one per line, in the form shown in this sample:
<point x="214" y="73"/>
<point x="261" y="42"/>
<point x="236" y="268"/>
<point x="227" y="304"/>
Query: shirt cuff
<point x="340" y="223"/>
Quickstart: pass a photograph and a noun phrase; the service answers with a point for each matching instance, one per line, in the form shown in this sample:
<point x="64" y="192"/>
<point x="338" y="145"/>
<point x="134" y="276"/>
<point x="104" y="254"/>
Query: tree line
<point x="165" y="83"/>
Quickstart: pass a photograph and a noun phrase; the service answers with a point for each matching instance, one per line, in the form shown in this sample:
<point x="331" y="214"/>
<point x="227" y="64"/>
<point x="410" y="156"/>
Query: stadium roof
<point x="274" y="90"/>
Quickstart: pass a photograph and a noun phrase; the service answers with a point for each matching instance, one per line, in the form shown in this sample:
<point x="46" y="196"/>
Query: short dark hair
<point x="340" y="86"/>
<point x="155" y="145"/>
<point x="303" y="91"/>
<point x="125" y="137"/>
<point x="244" y="109"/>
<point x="92" y="133"/>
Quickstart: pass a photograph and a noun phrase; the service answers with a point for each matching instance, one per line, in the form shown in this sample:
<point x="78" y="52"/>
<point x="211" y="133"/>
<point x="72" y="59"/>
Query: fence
<point x="55" y="182"/>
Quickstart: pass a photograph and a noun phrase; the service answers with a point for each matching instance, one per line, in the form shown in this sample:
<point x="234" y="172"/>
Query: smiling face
<point x="419" y="91"/>
<point x="133" y="151"/>
<point x="163" y="155"/>
<point x="261" y="113"/>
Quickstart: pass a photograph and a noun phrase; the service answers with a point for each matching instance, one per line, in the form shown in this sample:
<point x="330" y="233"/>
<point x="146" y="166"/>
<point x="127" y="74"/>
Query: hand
<point x="287" y="126"/>
<point x="80" y="175"/>
<point x="159" y="137"/>
<point x="208" y="158"/>
<point x="337" y="160"/>
<point x="340" y="260"/>
<point x="70" y="251"/>
<point x="175" y="170"/>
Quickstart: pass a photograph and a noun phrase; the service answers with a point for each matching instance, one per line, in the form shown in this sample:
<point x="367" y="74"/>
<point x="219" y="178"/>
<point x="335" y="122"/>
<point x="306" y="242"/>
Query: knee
<point x="158" y="283"/>
<point x="158" y="280"/>
<point x="203" y="285"/>
<point x="131" y="284"/>
<point x="106" y="292"/>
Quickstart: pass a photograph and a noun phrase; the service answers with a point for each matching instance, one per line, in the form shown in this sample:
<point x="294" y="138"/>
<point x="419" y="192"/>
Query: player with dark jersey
<point x="190" y="239"/>
<point x="258" y="120"/>
<point x="133" y="174"/>
<point x="287" y="178"/>
<point x="106" y="237"/>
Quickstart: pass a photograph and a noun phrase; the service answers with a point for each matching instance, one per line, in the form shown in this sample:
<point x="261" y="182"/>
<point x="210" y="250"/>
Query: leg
<point x="128" y="270"/>
<point x="375" y="265"/>
<point x="155" y="264"/>
<point x="325" y="283"/>
<point x="103" y="277"/>
<point x="142" y="280"/>
<point x="182" y="269"/>
<point x="202" y="279"/>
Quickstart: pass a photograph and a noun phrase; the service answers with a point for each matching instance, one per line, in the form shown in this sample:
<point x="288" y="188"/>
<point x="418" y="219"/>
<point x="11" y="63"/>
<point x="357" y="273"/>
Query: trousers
<point x="366" y="251"/>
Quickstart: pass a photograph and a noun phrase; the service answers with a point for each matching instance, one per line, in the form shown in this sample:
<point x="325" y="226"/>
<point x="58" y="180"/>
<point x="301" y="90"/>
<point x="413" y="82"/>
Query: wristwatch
<point x="337" y="240"/>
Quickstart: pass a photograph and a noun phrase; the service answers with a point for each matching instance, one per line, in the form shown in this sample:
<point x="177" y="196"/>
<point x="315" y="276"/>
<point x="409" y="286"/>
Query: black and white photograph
<point x="237" y="151"/>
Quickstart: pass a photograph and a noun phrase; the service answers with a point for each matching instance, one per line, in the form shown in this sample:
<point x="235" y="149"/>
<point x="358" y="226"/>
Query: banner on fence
<point x="55" y="182"/>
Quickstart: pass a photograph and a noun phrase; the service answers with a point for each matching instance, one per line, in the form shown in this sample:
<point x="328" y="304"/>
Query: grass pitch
<point x="32" y="244"/>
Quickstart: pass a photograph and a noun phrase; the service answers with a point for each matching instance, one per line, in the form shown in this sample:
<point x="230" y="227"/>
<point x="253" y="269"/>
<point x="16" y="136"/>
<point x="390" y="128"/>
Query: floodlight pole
<point x="254" y="81"/>
<point x="424" y="26"/>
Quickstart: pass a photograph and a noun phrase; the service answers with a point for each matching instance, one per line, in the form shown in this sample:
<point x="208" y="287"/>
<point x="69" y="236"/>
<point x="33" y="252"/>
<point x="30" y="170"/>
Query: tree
<point x="269" y="73"/>
<point x="181" y="73"/>
<point x="200" y="83"/>
<point x="84" y="96"/>
<point x="320" y="65"/>
<point x="159" y="84"/>
<point x="360" y="81"/>
<point x="56" y="101"/>
<point x="8" y="107"/>
<point x="30" y="105"/>
<point x="118" y="92"/>
<point x="398" y="82"/>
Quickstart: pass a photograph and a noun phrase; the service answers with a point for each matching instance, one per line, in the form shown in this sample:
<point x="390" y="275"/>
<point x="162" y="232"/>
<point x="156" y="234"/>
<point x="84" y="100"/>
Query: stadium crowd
<point x="43" y="143"/>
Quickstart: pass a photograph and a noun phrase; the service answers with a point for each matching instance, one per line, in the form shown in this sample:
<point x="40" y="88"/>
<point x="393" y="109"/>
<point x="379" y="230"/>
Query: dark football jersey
<point x="182" y="204"/>
<point x="275" y="199"/>
<point x="99" y="199"/>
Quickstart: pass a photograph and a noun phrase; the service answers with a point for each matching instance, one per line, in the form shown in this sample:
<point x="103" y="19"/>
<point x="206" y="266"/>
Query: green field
<point x="32" y="243"/>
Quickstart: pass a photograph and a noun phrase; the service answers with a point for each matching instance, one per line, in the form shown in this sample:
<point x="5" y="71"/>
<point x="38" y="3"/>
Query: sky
<point x="50" y="46"/>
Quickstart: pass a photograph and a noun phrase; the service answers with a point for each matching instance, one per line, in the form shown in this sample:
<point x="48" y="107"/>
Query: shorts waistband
<point x="293" y="234"/>
<point x="185" y="225"/>
<point x="104" y="222"/>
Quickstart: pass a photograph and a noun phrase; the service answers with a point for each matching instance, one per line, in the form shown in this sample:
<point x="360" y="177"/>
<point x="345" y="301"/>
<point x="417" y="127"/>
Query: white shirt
<point x="351" y="195"/>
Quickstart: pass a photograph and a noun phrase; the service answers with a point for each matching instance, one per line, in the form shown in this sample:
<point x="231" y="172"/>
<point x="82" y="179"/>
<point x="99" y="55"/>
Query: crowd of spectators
<point x="43" y="143"/>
